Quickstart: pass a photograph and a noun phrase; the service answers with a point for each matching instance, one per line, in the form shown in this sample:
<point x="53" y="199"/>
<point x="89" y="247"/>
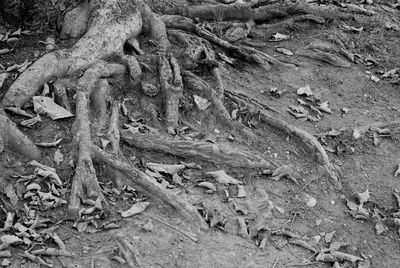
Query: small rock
<point x="333" y="202"/>
<point x="308" y="200"/>
<point x="216" y="131"/>
<point x="150" y="90"/>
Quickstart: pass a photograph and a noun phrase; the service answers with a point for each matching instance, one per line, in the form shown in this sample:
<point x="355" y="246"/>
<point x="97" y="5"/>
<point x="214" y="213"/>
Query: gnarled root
<point x="309" y="140"/>
<point x="172" y="87"/>
<point x="266" y="13"/>
<point x="215" y="153"/>
<point x="12" y="138"/>
<point x="94" y="45"/>
<point x="149" y="184"/>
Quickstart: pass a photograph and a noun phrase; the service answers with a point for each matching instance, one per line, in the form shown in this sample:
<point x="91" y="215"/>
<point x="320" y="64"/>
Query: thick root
<point x="216" y="98"/>
<point x="215" y="153"/>
<point x="12" y="138"/>
<point x="309" y="140"/>
<point x="266" y="13"/>
<point x="94" y="45"/>
<point x="246" y="53"/>
<point x="149" y="184"/>
<point x="172" y="87"/>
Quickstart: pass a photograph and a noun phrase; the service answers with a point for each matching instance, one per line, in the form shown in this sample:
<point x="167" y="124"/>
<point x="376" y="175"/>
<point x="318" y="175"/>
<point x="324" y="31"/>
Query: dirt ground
<point x="367" y="162"/>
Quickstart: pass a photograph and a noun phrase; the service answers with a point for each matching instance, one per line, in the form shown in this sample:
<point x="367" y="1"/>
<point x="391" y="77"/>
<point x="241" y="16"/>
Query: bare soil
<point x="362" y="164"/>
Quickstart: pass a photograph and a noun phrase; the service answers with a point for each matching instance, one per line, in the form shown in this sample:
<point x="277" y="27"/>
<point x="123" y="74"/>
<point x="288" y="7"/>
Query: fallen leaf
<point x="324" y="108"/>
<point x="58" y="157"/>
<point x="3" y="77"/>
<point x="17" y="32"/>
<point x="279" y="37"/>
<point x="306" y="91"/>
<point x="10" y="192"/>
<point x="4" y="51"/>
<point x="380" y="228"/>
<point x="363" y="197"/>
<point x="352" y="206"/>
<point x="242" y="228"/>
<point x="285" y="51"/>
<point x="329" y="236"/>
<point x="135" y="209"/>
<point x="208" y="185"/>
<point x="241" y="191"/>
<point x="47" y="106"/>
<point x="284" y="171"/>
<point x="45" y="171"/>
<point x="391" y="73"/>
<point x="201" y="103"/>
<point x="10" y="239"/>
<point x="165" y="168"/>
<point x="221" y="177"/>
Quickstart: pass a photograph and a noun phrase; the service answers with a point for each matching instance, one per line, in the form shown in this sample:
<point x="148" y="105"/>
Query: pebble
<point x="333" y="202"/>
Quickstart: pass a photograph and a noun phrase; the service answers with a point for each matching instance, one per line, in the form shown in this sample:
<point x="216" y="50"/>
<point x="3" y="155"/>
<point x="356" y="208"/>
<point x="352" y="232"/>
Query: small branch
<point x="190" y="236"/>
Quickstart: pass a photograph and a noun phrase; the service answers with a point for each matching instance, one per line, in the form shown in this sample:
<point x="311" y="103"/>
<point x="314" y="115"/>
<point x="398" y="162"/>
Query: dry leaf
<point x="284" y="171"/>
<point x="279" y="37"/>
<point x="306" y="91"/>
<point x="58" y="157"/>
<point x="285" y="51"/>
<point x="10" y="192"/>
<point x="241" y="191"/>
<point x="10" y="239"/>
<point x="208" y="185"/>
<point x="324" y="107"/>
<point x="135" y="209"/>
<point x="45" y="105"/>
<point x="165" y="168"/>
<point x="221" y="177"/>
<point x="45" y="171"/>
<point x="201" y="103"/>
<point x="363" y="197"/>
<point x="4" y="51"/>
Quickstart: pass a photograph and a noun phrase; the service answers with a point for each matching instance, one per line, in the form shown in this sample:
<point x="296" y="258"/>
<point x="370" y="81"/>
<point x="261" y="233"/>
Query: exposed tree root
<point x="149" y="184"/>
<point x="99" y="54"/>
<point x="246" y="53"/>
<point x="309" y="140"/>
<point x="267" y="13"/>
<point x="12" y="138"/>
<point x="215" y="153"/>
<point x="94" y="45"/>
<point x="215" y="97"/>
<point x="172" y="87"/>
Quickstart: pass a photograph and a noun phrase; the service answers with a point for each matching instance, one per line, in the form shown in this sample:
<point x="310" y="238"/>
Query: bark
<point x="215" y="153"/>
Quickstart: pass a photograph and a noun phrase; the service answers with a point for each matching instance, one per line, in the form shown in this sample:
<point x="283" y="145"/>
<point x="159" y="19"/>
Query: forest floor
<point x="361" y="135"/>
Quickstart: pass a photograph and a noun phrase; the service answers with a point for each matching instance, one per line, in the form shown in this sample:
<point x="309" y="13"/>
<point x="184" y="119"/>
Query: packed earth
<point x="214" y="133"/>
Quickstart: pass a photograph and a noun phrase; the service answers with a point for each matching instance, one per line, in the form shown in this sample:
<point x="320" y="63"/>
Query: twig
<point x="275" y="263"/>
<point x="174" y="228"/>
<point x="302" y="264"/>
<point x="305" y="185"/>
